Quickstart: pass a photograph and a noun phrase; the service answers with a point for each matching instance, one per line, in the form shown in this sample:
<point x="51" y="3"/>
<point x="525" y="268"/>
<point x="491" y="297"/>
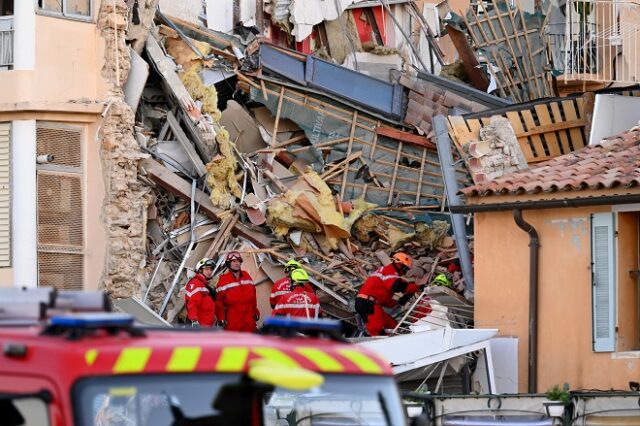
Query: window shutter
<point x="60" y="207"/>
<point x="5" y="195"/>
<point x="603" y="282"/>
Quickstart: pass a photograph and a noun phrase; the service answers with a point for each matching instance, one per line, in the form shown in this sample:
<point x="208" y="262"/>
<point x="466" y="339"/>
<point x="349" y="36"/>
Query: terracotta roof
<point x="614" y="162"/>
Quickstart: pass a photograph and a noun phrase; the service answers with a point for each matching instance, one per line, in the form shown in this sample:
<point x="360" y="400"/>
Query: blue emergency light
<point x="304" y="325"/>
<point x="91" y="321"/>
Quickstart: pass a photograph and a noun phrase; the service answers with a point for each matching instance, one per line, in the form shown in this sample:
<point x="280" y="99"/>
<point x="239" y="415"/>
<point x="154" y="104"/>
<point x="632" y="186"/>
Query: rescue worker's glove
<point x="404" y="299"/>
<point x="222" y="323"/>
<point x="195" y="323"/>
<point x="256" y="317"/>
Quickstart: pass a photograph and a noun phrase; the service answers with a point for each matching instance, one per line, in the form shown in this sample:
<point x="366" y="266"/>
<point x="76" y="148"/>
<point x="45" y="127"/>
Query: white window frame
<point x="64" y="14"/>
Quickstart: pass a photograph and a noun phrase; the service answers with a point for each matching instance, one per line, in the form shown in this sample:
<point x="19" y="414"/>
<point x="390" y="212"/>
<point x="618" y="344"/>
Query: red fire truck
<point x="62" y="365"/>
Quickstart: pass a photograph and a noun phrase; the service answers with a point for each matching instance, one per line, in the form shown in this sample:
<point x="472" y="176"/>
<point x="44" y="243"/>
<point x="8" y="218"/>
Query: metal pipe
<point x="547" y="204"/>
<point x="386" y="7"/>
<point x="153" y="278"/>
<point x="534" y="245"/>
<point x="187" y="254"/>
<point x="451" y="187"/>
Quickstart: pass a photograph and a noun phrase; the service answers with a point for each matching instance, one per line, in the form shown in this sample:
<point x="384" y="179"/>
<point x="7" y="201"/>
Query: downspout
<point x="534" y="245"/>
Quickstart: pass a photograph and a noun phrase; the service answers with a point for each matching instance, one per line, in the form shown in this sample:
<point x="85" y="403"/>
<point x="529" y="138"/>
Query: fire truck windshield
<point x="164" y="400"/>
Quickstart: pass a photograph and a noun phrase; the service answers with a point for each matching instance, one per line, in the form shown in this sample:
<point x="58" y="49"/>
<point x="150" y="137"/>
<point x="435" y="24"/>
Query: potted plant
<point x="557" y="400"/>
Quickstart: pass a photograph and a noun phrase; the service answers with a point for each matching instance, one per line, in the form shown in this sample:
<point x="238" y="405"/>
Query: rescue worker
<point x="199" y="297"/>
<point x="299" y="302"/>
<point x="283" y="285"/>
<point x="378" y="290"/>
<point x="237" y="306"/>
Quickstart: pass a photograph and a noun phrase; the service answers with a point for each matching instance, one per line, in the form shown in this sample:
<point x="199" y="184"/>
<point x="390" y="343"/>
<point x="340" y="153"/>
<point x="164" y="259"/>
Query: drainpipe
<point x="451" y="186"/>
<point x="534" y="245"/>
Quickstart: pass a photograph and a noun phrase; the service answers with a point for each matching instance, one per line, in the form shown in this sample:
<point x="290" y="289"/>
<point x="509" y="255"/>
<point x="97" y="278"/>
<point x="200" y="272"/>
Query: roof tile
<point x="613" y="162"/>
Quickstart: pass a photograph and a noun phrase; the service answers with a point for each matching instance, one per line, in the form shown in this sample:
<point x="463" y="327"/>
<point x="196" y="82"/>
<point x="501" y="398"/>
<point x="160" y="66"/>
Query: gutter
<point x="534" y="245"/>
<point x="548" y="204"/>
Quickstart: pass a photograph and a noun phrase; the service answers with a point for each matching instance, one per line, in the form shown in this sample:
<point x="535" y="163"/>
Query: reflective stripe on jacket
<point x="200" y="302"/>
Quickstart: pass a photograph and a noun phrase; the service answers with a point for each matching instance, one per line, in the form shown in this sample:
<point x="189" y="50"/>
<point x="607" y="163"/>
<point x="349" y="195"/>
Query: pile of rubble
<point x="279" y="155"/>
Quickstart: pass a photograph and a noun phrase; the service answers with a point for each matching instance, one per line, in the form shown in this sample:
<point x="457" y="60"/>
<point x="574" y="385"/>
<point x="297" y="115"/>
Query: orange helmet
<point x="402" y="258"/>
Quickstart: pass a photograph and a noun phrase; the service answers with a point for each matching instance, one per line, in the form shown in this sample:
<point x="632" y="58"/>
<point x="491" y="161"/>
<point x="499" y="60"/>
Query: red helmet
<point x="233" y="255"/>
<point x="402" y="258"/>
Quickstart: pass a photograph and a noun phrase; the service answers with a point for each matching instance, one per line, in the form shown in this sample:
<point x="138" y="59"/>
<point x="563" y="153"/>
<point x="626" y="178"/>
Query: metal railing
<point x="6" y="42"/>
<point x="600" y="41"/>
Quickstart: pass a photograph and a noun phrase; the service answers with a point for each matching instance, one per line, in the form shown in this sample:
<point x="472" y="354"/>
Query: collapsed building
<point x="287" y="129"/>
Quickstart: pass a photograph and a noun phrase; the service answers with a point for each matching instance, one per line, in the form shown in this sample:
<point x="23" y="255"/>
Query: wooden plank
<point x="535" y="139"/>
<point x="549" y="136"/>
<point x="385" y="190"/>
<point x="354" y="121"/>
<point x="186" y="144"/>
<point x="274" y="133"/>
<point x="375" y="143"/>
<point x="576" y="135"/>
<point x="474" y="126"/>
<point x="516" y="123"/>
<point x="553" y="127"/>
<point x="478" y="44"/>
<point x="541" y="90"/>
<point x="422" y="163"/>
<point x="174" y="184"/>
<point x="405" y="137"/>
<point x="395" y="173"/>
<point x="562" y="134"/>
<point x="459" y="131"/>
<point x="179" y="94"/>
<point x="470" y="63"/>
<point x="508" y="42"/>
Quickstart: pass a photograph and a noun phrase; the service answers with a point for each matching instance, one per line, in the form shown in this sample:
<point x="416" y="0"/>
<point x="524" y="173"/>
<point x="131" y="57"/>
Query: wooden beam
<point x="469" y="60"/>
<point x="407" y="137"/>
<point x="178" y="93"/>
<point x="186" y="143"/>
<point x="181" y="188"/>
<point x="174" y="184"/>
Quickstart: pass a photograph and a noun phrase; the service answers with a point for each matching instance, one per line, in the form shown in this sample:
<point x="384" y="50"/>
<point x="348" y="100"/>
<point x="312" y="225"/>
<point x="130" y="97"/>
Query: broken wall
<point x="125" y="204"/>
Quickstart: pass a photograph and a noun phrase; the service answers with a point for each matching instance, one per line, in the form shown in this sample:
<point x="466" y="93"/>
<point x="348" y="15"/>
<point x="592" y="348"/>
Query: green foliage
<point x="557" y="393"/>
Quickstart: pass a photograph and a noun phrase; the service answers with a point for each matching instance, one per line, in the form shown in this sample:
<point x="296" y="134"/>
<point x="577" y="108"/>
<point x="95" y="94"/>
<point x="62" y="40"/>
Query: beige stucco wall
<point x="564" y="334"/>
<point x="66" y="86"/>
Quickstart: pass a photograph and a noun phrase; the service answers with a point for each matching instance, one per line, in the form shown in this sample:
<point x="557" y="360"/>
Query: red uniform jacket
<point x="383" y="283"/>
<point x="200" y="302"/>
<point x="298" y="303"/>
<point x="283" y="286"/>
<point x="237" y="302"/>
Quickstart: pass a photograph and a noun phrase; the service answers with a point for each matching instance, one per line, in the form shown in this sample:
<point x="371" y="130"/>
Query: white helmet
<point x="205" y="261"/>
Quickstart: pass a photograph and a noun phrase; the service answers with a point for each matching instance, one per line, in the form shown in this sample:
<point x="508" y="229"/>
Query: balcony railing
<point x="599" y="41"/>
<point x="6" y="42"/>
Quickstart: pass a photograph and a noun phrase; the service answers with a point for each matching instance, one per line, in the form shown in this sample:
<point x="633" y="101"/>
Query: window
<point x="69" y="8"/>
<point x="615" y="249"/>
<point x="21" y="410"/>
<point x="226" y="399"/>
